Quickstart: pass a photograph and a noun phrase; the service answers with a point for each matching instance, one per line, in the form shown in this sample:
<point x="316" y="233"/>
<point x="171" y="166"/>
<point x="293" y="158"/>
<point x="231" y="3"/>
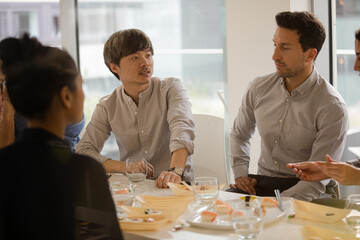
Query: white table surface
<point x="282" y="229"/>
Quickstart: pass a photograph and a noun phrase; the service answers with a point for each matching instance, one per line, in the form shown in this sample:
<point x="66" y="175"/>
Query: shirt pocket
<point x="299" y="140"/>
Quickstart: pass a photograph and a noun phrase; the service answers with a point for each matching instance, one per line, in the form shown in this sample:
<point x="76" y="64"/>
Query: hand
<point x="307" y="171"/>
<point x="166" y="177"/>
<point x="150" y="170"/>
<point x="113" y="166"/>
<point x="342" y="172"/>
<point x="246" y="184"/>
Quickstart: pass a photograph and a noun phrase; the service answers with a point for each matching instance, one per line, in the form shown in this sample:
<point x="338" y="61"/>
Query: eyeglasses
<point x="2" y="87"/>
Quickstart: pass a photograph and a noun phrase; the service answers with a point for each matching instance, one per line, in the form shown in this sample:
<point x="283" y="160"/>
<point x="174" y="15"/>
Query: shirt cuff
<point x="240" y="171"/>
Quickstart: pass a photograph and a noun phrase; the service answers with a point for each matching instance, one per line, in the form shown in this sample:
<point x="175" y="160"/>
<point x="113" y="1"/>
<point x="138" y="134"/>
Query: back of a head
<point x="357" y="34"/>
<point x="310" y="30"/>
<point x="123" y="43"/>
<point x="35" y="74"/>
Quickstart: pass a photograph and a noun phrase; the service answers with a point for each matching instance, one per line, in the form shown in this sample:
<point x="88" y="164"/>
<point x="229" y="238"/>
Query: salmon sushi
<point x="269" y="202"/>
<point x="208" y="216"/>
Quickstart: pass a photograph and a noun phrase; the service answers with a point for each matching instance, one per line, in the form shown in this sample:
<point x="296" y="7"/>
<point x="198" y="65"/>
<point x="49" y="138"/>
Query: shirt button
<point x="280" y="121"/>
<point x="146" y="151"/>
<point x="276" y="141"/>
<point x="302" y="93"/>
<point x="135" y="113"/>
<point x="275" y="162"/>
<point x="142" y="131"/>
<point x="287" y="99"/>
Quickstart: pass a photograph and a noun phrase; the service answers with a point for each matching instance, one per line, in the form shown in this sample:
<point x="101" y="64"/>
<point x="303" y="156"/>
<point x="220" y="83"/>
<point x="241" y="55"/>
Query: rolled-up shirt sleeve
<point x="241" y="133"/>
<point x="97" y="132"/>
<point x="180" y="118"/>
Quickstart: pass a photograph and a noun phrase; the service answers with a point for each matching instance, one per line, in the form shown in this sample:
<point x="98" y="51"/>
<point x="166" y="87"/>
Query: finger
<point x="160" y="180"/>
<point x="249" y="188"/>
<point x="232" y="186"/>
<point x="329" y="159"/>
<point x="253" y="181"/>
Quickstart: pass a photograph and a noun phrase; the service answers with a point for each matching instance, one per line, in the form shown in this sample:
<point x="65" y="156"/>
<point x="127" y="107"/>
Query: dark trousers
<point x="265" y="185"/>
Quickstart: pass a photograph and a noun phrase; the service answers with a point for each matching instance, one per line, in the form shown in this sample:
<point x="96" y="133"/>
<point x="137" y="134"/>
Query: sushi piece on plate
<point x="208" y="216"/>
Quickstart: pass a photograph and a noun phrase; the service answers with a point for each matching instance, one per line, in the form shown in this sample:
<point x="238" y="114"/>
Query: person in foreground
<point x="150" y="117"/>
<point x="299" y="115"/>
<point x="47" y="191"/>
<point x="344" y="173"/>
<point x="12" y="124"/>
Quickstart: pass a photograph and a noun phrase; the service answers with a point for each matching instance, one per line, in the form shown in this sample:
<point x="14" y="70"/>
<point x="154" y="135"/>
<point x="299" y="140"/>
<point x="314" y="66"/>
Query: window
<point x="347" y="22"/>
<point x="188" y="40"/>
<point x="39" y="19"/>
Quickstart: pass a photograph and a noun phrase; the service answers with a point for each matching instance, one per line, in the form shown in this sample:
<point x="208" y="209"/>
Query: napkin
<point x="318" y="213"/>
<point x="311" y="232"/>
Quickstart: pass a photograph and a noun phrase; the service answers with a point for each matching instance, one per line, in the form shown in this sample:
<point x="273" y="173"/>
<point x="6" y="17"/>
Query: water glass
<point x="122" y="193"/>
<point x="353" y="219"/>
<point x="206" y="190"/>
<point x="136" y="169"/>
<point x="247" y="218"/>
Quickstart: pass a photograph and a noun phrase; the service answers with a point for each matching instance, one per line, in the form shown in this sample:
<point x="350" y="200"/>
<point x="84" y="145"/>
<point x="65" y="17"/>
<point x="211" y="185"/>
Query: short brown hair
<point x="124" y="43"/>
<point x="310" y="30"/>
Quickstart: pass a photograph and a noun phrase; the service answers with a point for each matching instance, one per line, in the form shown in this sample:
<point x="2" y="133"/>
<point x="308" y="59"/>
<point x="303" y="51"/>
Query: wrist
<point x="178" y="170"/>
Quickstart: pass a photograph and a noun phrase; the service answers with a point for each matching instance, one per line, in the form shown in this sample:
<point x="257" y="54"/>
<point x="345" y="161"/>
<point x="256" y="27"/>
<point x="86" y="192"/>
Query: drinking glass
<point x="353" y="219"/>
<point x="122" y="193"/>
<point x="136" y="169"/>
<point x="247" y="218"/>
<point x="206" y="190"/>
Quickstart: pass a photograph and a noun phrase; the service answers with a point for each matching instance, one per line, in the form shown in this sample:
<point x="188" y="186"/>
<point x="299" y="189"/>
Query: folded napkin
<point x="318" y="213"/>
<point x="318" y="233"/>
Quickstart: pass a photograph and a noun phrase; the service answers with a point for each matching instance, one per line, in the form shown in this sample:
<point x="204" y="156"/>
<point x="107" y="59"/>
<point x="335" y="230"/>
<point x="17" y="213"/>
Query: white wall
<point x="250" y="29"/>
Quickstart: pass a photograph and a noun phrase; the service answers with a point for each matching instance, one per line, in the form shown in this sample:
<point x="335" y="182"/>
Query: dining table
<point x="284" y="228"/>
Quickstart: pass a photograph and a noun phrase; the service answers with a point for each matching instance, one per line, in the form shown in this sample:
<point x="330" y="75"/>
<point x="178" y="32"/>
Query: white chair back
<point x="209" y="153"/>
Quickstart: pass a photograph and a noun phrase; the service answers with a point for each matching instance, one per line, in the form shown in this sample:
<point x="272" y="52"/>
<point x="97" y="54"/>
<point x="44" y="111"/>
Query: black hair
<point x="124" y="43"/>
<point x="357" y="34"/>
<point x="35" y="74"/>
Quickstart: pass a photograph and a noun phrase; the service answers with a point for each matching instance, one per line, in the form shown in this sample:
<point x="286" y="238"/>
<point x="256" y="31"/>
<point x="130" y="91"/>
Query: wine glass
<point x="353" y="219"/>
<point x="136" y="169"/>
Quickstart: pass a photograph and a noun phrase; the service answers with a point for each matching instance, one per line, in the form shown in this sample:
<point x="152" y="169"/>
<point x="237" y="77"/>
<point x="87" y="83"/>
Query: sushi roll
<point x="151" y="211"/>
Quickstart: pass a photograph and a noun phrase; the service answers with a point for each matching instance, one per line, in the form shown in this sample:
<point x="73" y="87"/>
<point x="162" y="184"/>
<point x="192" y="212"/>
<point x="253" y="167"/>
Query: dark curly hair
<point x="35" y="74"/>
<point x="310" y="30"/>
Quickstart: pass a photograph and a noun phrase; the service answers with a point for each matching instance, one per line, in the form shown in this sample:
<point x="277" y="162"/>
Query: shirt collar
<point x="142" y="94"/>
<point x="306" y="85"/>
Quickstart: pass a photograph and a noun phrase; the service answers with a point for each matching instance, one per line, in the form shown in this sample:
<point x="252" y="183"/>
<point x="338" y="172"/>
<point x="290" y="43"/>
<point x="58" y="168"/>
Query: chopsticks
<point x="278" y="198"/>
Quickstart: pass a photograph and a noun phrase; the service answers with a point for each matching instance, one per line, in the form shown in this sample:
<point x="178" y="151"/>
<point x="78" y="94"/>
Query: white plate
<point x="224" y="222"/>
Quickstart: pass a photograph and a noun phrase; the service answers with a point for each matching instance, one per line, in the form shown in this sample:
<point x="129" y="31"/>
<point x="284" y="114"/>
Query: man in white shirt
<point x="299" y="115"/>
<point x="150" y="117"/>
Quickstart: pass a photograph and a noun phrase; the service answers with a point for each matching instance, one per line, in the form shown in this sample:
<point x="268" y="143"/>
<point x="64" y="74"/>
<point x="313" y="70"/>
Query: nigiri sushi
<point x="269" y="202"/>
<point x="208" y="216"/>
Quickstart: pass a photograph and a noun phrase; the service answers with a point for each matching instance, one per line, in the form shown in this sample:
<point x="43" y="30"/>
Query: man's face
<point x="288" y="54"/>
<point x="357" y="60"/>
<point x="137" y="68"/>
